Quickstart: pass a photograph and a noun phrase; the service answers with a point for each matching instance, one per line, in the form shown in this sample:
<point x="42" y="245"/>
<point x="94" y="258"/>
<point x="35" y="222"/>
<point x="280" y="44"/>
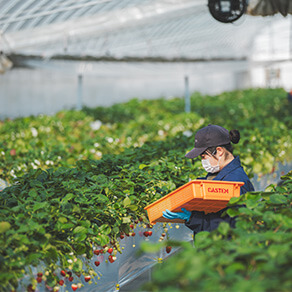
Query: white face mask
<point x="208" y="167"/>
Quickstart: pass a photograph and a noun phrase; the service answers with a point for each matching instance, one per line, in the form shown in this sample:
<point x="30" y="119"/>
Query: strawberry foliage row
<point x="54" y="216"/>
<point x="255" y="256"/>
<point x="262" y="116"/>
<point x="84" y="178"/>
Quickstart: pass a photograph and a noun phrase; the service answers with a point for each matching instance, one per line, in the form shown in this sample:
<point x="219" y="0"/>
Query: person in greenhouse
<point x="213" y="145"/>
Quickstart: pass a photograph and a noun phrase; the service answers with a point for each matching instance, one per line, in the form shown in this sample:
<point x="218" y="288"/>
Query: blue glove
<point x="184" y="215"/>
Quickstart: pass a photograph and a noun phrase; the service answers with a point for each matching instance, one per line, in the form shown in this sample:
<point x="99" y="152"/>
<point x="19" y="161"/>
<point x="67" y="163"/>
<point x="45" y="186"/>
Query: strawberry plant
<point x="80" y="179"/>
<point x="262" y="116"/>
<point x="56" y="216"/>
<point x="254" y="256"/>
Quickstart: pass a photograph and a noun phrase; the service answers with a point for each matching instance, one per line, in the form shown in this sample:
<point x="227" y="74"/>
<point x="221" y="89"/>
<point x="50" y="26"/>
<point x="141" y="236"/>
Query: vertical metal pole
<point x="290" y="39"/>
<point x="79" y="92"/>
<point x="187" y="96"/>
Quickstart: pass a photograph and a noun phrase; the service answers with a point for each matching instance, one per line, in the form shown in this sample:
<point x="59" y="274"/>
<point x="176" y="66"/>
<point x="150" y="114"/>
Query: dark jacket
<point x="199" y="221"/>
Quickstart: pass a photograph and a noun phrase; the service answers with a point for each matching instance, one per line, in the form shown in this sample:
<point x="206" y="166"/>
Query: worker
<point x="213" y="145"/>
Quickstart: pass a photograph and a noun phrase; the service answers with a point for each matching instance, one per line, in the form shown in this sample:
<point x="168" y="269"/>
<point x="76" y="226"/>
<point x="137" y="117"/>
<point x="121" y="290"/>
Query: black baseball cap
<point x="209" y="136"/>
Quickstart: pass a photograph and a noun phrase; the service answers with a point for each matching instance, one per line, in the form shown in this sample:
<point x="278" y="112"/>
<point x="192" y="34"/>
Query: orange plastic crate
<point x="197" y="195"/>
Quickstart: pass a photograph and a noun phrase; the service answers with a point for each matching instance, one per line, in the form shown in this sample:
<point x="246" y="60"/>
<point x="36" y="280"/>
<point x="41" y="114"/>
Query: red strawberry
<point x="163" y="234"/>
<point x="96" y="252"/>
<point x="132" y="226"/>
<point x="146" y="233"/>
<point x="63" y="273"/>
<point x="97" y="263"/>
<point x="61" y="282"/>
<point x="149" y="233"/>
<point x="71" y="279"/>
<point x="133" y="233"/>
<point x="12" y="152"/>
<point x="74" y="287"/>
<point x="122" y="236"/>
<point x="168" y="249"/>
<point x="101" y="251"/>
<point x="39" y="279"/>
<point x="110" y="250"/>
<point x="111" y="259"/>
<point x="39" y="274"/>
<point x="87" y="278"/>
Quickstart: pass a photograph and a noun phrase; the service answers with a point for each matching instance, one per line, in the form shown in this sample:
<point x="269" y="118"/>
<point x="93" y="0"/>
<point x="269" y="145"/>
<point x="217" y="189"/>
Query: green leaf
<point x="223" y="228"/>
<point x="126" y="220"/>
<point x="234" y="200"/>
<point x="32" y="193"/>
<point x="85" y="223"/>
<point x="103" y="239"/>
<point x="68" y="225"/>
<point x="68" y="197"/>
<point x="80" y="229"/>
<point x="278" y="199"/>
<point x="102" y="198"/>
<point x="251" y="204"/>
<point x="202" y="238"/>
<point x="85" y="164"/>
<point x="235" y="267"/>
<point x="105" y="229"/>
<point x="80" y="248"/>
<point x="52" y="253"/>
<point x="77" y="267"/>
<point x="40" y="205"/>
<point x="62" y="220"/>
<point x="141" y="166"/>
<point x="76" y="209"/>
<point x="133" y="207"/>
<point x="127" y="201"/>
<point x="232" y="212"/>
<point x="51" y="281"/>
<point x="34" y="258"/>
<point x="80" y="237"/>
<point x="116" y="230"/>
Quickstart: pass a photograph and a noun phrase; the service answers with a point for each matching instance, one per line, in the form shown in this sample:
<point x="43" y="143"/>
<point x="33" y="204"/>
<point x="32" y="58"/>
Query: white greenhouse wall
<point x="47" y="90"/>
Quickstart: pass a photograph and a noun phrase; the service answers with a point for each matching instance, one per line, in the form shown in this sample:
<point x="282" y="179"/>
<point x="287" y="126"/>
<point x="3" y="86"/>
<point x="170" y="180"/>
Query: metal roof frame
<point x="124" y="28"/>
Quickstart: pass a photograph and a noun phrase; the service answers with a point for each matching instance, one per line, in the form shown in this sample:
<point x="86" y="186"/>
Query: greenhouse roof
<point x="123" y="28"/>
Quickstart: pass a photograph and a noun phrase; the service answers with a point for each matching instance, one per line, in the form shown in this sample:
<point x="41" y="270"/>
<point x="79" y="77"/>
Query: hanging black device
<point x="227" y="10"/>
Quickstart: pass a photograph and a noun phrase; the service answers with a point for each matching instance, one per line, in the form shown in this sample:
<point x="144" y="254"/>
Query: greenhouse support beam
<point x="290" y="48"/>
<point x="187" y="95"/>
<point x="79" y="92"/>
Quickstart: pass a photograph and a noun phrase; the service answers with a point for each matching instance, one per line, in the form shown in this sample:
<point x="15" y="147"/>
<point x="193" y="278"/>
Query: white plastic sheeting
<point x="144" y="28"/>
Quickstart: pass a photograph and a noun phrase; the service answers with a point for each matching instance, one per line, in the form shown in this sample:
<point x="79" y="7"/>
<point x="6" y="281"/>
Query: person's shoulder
<point x="237" y="174"/>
